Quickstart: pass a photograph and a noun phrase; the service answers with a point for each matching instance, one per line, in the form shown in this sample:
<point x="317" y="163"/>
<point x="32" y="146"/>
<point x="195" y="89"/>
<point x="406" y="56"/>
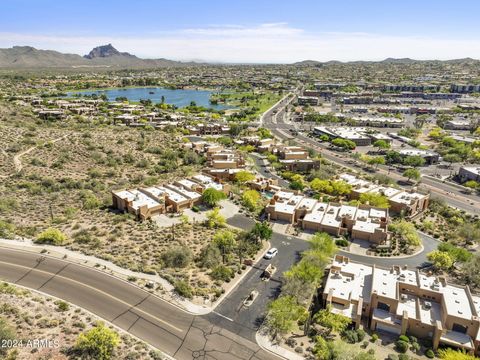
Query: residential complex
<point x="362" y="222"/>
<point x="180" y="195"/>
<point x="409" y="203"/>
<point x="403" y="301"/>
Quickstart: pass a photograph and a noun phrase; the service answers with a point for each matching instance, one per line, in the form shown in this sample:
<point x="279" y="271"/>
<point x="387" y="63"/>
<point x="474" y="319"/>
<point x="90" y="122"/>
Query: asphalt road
<point x="170" y="329"/>
<point x="289" y="250"/>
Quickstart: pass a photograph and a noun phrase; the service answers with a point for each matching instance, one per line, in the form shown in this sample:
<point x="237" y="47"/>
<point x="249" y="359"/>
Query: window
<point x="459" y="328"/>
<point x="383" y="306"/>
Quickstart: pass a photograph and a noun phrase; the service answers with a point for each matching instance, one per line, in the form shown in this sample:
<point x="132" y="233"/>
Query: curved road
<point x="170" y="329"/>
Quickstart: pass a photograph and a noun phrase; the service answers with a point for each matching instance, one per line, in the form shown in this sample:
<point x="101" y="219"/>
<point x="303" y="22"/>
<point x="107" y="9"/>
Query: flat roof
<point x="352" y="282"/>
<point x="142" y="199"/>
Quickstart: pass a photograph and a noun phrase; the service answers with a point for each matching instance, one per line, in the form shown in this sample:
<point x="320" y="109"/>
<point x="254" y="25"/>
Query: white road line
<point x="133" y="306"/>
<point x="223" y="316"/>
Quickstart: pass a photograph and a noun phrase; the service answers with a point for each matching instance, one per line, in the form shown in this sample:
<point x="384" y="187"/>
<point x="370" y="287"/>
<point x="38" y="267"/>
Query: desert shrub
<point x="182" y="288"/>
<point x="404" y="338"/>
<point x="401" y="346"/>
<point x="177" y="257"/>
<point x="429" y="353"/>
<point x="222" y="272"/>
<point x="51" y="236"/>
<point x="360" y="334"/>
<point x="350" y="336"/>
<point x="62" y="305"/>
<point x="341" y="242"/>
<point x="209" y="257"/>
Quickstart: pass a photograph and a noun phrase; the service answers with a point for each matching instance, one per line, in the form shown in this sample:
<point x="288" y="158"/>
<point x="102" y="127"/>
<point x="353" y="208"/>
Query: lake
<point x="179" y="97"/>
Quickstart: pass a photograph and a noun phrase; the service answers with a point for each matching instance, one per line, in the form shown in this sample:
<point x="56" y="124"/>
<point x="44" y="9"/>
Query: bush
<point x="97" y="343"/>
<point x="360" y="334"/>
<point x="401" y="346"/>
<point x="222" y="272"/>
<point x="403" y="357"/>
<point x="429" y="353"/>
<point x="341" y="242"/>
<point x="404" y="338"/>
<point x="62" y="305"/>
<point x="177" y="257"/>
<point x="6" y="333"/>
<point x="374" y="337"/>
<point x="350" y="336"/>
<point x="182" y="288"/>
<point x="51" y="236"/>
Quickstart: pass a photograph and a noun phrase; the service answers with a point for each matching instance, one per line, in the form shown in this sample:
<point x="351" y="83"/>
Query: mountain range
<point x="105" y="56"/>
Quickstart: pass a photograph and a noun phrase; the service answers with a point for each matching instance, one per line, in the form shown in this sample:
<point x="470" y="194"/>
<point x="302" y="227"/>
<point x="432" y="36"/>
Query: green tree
<point x="381" y="144"/>
<point x="412" y="174"/>
<point x="452" y="158"/>
<point x="97" y="343"/>
<point x="284" y="314"/>
<point x="214" y="219"/>
<point x="244" y="176"/>
<point x="344" y="144"/>
<point x="375" y="199"/>
<point x="441" y="260"/>
<point x="225" y="241"/>
<point x="323" y="243"/>
<point x="331" y="321"/>
<point x="251" y="199"/>
<point x="261" y="231"/>
<point x="212" y="196"/>
<point x="406" y="232"/>
<point x="414" y="161"/>
<point x="51" y="236"/>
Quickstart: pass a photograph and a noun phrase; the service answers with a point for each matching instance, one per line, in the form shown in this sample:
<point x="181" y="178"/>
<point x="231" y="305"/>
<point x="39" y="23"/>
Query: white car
<point x="270" y="254"/>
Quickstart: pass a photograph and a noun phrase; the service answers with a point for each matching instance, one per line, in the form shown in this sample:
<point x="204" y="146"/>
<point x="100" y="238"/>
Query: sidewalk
<point x="264" y="342"/>
<point x="167" y="292"/>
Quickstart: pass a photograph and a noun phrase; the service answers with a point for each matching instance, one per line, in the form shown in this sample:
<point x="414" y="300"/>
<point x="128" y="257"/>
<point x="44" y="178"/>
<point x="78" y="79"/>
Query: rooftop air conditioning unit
<point x="427" y="305"/>
<point x="404" y="297"/>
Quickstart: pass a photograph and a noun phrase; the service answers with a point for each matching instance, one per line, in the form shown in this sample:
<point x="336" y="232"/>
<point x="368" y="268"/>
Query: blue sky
<point x="247" y="30"/>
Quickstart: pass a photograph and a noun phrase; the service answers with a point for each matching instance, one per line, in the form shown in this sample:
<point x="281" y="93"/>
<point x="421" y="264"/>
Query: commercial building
<point x="361" y="222"/>
<point x="466" y="173"/>
<point x="403" y="301"/>
<point x="465" y="88"/>
<point x="308" y="100"/>
<point x="430" y="157"/>
<point x="463" y="124"/>
<point x="352" y="134"/>
<point x="409" y="203"/>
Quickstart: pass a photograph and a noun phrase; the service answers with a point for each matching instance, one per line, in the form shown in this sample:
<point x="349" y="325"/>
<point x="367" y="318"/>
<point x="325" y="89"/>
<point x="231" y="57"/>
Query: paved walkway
<point x="264" y="342"/>
<point x="227" y="209"/>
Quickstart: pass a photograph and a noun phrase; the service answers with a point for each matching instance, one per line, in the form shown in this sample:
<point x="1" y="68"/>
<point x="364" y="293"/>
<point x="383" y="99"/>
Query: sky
<point x="248" y="31"/>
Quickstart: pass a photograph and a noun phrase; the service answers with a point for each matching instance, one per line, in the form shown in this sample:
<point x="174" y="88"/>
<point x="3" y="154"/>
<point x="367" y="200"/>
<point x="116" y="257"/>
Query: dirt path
<point x="17" y="158"/>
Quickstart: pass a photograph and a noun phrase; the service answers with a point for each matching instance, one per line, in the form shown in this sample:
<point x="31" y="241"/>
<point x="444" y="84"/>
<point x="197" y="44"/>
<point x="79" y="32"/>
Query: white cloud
<point x="265" y="43"/>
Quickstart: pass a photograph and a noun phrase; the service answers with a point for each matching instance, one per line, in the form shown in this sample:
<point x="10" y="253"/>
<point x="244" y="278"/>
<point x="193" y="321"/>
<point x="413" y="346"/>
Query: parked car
<point x="270" y="254"/>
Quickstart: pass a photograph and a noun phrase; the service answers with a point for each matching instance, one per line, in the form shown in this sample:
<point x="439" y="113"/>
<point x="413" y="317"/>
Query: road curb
<point x="166" y="356"/>
<point x="276" y="350"/>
